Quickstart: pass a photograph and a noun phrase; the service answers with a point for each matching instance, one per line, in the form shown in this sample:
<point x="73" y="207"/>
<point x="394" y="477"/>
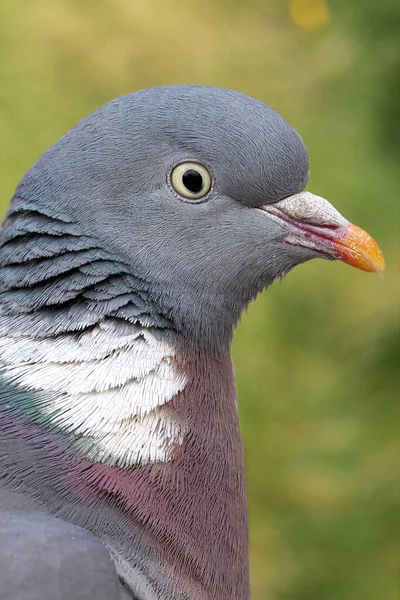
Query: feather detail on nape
<point x="79" y="334"/>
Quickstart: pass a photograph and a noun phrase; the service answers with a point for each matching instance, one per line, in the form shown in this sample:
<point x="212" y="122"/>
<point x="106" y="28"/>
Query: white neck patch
<point x="107" y="387"/>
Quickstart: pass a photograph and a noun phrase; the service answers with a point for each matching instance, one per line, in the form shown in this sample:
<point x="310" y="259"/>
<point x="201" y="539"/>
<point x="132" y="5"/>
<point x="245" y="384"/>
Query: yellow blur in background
<point x="316" y="356"/>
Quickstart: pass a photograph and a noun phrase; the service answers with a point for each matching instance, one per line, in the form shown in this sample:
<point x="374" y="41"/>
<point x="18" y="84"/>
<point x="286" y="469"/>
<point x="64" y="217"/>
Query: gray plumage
<point x="45" y="558"/>
<point x="107" y="180"/>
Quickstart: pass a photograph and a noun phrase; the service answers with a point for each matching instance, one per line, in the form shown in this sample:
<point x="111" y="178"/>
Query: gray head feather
<point x="202" y="262"/>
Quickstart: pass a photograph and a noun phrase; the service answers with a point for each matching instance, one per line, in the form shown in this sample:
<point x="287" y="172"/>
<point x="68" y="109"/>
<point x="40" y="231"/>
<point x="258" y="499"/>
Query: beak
<point x="312" y="222"/>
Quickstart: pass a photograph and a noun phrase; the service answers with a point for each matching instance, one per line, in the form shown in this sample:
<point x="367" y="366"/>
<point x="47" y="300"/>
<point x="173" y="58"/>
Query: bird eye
<point x="191" y="180"/>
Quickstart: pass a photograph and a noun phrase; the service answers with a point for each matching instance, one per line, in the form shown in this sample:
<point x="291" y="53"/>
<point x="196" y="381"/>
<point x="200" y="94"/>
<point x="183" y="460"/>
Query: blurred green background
<point x="317" y="356"/>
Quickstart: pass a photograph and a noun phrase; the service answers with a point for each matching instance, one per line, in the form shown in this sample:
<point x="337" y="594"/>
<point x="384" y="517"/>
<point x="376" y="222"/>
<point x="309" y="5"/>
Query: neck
<point x="110" y="424"/>
<point x="191" y="511"/>
<point x="177" y="528"/>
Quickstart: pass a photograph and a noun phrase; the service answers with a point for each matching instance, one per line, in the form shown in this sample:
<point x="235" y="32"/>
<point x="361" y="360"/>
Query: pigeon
<point x="127" y="256"/>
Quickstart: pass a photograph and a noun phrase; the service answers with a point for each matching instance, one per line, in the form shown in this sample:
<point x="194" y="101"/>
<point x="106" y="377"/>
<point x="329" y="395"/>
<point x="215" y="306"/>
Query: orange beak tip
<point x="360" y="250"/>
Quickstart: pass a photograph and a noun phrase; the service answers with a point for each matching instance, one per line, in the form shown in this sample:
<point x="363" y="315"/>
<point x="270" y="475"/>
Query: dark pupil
<point x="193" y="181"/>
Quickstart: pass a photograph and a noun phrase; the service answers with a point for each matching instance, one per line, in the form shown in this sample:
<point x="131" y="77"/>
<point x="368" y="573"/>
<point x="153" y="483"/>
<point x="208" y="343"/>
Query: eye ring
<point x="191" y="180"/>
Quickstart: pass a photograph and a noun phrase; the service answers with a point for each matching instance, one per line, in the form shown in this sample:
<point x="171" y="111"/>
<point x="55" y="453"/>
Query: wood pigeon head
<point x="200" y="190"/>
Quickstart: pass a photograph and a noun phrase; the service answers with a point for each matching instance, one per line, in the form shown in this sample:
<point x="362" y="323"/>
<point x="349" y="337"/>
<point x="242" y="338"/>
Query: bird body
<point x="127" y="256"/>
